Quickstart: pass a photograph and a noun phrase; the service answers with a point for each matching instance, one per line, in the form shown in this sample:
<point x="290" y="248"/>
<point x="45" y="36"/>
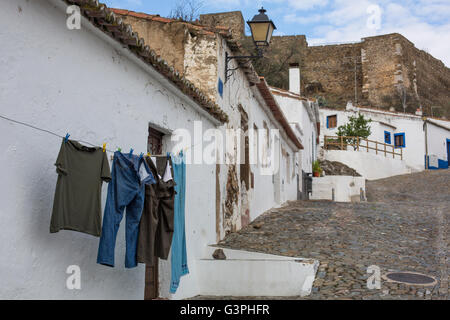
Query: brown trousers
<point x="156" y="225"/>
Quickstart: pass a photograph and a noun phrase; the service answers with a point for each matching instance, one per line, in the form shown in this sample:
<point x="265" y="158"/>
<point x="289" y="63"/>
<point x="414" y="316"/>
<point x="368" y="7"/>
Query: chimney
<point x="294" y="78"/>
<point x="349" y="106"/>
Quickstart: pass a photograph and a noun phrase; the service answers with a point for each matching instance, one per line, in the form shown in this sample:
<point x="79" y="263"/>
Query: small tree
<point x="186" y="10"/>
<point x="356" y="127"/>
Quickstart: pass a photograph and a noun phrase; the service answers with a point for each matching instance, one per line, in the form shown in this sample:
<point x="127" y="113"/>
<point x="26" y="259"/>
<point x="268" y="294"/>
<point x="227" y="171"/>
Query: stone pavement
<point x="402" y="227"/>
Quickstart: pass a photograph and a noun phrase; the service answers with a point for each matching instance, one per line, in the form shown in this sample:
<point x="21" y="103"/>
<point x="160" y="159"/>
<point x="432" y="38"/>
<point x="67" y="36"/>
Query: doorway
<point x="448" y="153"/>
<point x="151" y="290"/>
<point x="244" y="168"/>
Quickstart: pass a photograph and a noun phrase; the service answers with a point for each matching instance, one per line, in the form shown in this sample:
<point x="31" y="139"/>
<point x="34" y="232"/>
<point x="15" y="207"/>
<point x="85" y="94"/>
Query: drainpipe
<point x="426" y="144"/>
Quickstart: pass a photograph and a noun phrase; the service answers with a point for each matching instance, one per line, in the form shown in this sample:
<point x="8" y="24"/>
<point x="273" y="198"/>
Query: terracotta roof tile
<point x="277" y="112"/>
<point x="224" y="31"/>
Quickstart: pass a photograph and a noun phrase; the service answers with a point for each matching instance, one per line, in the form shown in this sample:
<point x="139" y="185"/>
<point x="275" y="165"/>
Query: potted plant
<point x="317" y="170"/>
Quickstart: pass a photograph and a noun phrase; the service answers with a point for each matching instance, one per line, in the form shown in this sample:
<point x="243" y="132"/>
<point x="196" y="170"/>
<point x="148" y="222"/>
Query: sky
<point x="426" y="23"/>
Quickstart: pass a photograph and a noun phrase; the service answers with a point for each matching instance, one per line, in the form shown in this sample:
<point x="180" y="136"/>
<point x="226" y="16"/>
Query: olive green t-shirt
<point x="77" y="204"/>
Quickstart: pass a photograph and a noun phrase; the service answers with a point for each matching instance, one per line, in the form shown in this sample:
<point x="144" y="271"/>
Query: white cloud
<point x="135" y="2"/>
<point x="126" y="4"/>
<point x="306" y="4"/>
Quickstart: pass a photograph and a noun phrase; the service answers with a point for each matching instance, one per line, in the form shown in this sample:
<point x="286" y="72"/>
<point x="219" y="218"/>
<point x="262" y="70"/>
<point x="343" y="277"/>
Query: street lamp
<point x="262" y="29"/>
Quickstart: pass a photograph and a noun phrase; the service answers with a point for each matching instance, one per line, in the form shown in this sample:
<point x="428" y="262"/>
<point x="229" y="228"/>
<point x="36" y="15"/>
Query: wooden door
<point x="152" y="271"/>
<point x="448" y="152"/>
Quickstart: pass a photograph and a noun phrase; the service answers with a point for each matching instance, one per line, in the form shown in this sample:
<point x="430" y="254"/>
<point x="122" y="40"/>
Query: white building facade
<point x="303" y="116"/>
<point x="437" y="144"/>
<point x="402" y="133"/>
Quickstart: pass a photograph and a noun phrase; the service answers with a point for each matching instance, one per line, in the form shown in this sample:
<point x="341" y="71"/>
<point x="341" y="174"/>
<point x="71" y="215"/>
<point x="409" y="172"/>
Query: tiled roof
<point x="266" y="93"/>
<point x="440" y="125"/>
<point x="286" y="93"/>
<point x="312" y="113"/>
<point x="112" y="24"/>
<point x="388" y="112"/>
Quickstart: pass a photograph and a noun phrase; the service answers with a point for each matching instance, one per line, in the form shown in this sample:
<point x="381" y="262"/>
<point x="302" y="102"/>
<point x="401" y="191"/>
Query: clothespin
<point x="104" y="147"/>
<point x="149" y="155"/>
<point x="66" y="139"/>
<point x="119" y="149"/>
<point x="131" y="151"/>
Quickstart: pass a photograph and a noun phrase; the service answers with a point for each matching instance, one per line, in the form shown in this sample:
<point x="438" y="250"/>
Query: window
<point x="254" y="152"/>
<point x="288" y="168"/>
<point x="294" y="164"/>
<point x="399" y="140"/>
<point x="332" y="121"/>
<point x="220" y="87"/>
<point x="266" y="127"/>
<point x="387" y="137"/>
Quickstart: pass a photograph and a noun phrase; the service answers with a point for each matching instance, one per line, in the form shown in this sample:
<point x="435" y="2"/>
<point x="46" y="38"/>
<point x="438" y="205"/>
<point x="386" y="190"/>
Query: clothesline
<point x="62" y="137"/>
<point x="174" y="207"/>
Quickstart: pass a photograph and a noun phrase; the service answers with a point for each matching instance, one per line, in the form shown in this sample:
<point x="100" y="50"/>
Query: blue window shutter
<point x="387" y="137"/>
<point x="220" y="87"/>
<point x="328" y="122"/>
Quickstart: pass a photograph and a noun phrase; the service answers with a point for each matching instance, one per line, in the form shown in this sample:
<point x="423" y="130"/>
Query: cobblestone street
<point x="402" y="227"/>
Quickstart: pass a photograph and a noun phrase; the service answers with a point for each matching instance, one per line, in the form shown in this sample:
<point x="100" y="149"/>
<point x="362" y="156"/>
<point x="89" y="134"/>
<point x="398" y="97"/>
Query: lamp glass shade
<point x="262" y="28"/>
<point x="260" y="31"/>
<point x="270" y="32"/>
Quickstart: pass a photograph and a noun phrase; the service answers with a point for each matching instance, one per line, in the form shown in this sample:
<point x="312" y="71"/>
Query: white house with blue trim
<point x="437" y="150"/>
<point x="414" y="136"/>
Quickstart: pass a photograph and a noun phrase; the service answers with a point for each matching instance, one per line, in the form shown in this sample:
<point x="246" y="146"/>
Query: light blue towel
<point x="179" y="254"/>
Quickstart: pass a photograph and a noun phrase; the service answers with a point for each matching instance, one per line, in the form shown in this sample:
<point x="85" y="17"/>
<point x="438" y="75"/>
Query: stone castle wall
<point x="384" y="65"/>
<point x="329" y="72"/>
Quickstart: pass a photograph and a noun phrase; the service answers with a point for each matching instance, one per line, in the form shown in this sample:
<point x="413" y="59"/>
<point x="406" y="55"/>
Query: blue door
<point x="448" y="152"/>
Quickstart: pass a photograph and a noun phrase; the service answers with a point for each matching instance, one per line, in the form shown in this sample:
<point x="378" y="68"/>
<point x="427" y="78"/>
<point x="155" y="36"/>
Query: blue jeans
<point x="179" y="254"/>
<point x="126" y="190"/>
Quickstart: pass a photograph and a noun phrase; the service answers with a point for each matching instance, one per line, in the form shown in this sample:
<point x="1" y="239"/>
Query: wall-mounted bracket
<point x="229" y="72"/>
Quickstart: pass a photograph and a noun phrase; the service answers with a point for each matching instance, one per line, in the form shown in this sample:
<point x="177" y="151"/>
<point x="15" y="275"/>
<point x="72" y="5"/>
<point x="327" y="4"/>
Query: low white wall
<point x="370" y="166"/>
<point x="345" y="187"/>
<point x="255" y="274"/>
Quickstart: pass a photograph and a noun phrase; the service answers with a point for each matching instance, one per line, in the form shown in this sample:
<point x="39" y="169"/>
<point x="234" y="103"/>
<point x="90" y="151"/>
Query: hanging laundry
<point x="81" y="172"/>
<point x="179" y="254"/>
<point x="130" y="175"/>
<point x="156" y="227"/>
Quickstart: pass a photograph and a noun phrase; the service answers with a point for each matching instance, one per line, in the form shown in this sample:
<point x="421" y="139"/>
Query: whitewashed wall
<point x="411" y="125"/>
<point x="414" y="152"/>
<point x="296" y="112"/>
<point x="369" y="165"/>
<point x="437" y="143"/>
<point x="237" y="91"/>
<point x="83" y="83"/>
<point x="338" y="188"/>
